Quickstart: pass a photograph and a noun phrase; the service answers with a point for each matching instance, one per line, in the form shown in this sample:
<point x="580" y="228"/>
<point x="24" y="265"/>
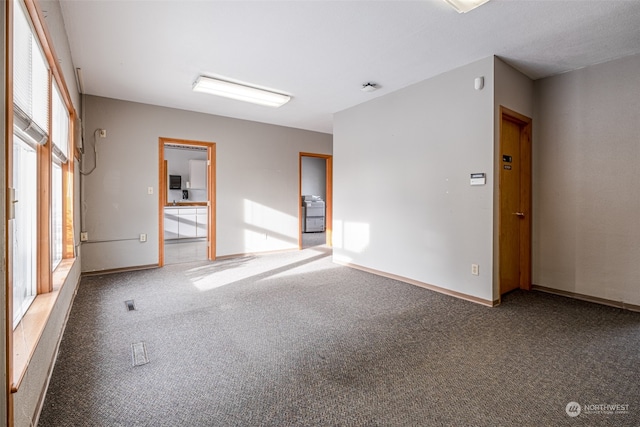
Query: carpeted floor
<point x="295" y="340"/>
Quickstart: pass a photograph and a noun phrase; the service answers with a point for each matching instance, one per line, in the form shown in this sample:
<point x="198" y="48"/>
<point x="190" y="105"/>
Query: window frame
<point x="49" y="281"/>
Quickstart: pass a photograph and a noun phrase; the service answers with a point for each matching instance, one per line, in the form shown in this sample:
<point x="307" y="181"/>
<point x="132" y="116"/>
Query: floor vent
<point x="130" y="305"/>
<point x="139" y="353"/>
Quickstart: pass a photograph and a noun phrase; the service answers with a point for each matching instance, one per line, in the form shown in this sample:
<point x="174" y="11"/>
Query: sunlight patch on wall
<point x="351" y="236"/>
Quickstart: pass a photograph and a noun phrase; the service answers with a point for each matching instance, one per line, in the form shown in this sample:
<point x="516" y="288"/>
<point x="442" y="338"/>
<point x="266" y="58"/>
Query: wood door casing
<point x="211" y="193"/>
<point x="329" y="196"/>
<point x="515" y="201"/>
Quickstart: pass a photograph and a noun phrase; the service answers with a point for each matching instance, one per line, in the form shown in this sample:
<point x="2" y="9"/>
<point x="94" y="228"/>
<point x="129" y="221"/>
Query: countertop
<point x="183" y="204"/>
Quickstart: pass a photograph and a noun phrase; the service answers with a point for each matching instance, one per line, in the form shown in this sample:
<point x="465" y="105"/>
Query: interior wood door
<point x="515" y="201"/>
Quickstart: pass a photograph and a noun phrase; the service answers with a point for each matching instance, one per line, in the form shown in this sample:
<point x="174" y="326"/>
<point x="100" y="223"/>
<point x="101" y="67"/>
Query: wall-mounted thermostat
<point x="478" y="178"/>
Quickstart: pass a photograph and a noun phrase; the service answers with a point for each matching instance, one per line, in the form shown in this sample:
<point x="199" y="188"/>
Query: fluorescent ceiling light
<point x="240" y="92"/>
<point x="464" y="6"/>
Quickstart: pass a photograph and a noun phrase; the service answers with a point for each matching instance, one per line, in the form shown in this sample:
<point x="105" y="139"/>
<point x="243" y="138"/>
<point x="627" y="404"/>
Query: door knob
<point x="520" y="214"/>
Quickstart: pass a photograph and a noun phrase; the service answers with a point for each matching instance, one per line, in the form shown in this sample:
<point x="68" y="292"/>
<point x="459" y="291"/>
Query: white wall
<point x="314" y="176"/>
<point x="402" y="200"/>
<point x="586" y="198"/>
<point x="256" y="181"/>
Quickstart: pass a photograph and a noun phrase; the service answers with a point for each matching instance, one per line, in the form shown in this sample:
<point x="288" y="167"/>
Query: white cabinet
<point x="187" y="227"/>
<point x="201" y="222"/>
<point x="185" y="222"/>
<point x="171" y="224"/>
<point x="198" y="174"/>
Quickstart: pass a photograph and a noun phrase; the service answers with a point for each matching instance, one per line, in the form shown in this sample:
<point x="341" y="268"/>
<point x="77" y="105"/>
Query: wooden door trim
<point x="329" y="198"/>
<point x="525" y="124"/>
<point x="211" y="193"/>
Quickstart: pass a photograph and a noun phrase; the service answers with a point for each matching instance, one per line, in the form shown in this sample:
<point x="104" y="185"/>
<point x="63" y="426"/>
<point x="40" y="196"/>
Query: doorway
<point x="187" y="209"/>
<point x="315" y="176"/>
<point x="515" y="201"/>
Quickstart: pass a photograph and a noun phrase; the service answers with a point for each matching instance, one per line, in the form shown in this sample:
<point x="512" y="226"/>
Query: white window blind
<point x="60" y="126"/>
<point x="40" y="91"/>
<point x="31" y="80"/>
<point x="21" y="61"/>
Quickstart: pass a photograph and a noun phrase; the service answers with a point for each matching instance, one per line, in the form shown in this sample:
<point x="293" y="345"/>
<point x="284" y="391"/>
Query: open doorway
<point x="316" y="199"/>
<point x="187" y="201"/>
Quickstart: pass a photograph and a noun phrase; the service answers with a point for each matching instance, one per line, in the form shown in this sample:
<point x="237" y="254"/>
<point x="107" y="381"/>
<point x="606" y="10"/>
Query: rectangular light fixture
<point x="240" y="92"/>
<point x="464" y="6"/>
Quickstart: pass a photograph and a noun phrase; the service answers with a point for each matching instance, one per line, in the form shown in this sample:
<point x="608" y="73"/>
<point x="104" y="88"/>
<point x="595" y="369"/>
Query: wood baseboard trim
<point x="120" y="270"/>
<point x="588" y="298"/>
<point x="434" y="288"/>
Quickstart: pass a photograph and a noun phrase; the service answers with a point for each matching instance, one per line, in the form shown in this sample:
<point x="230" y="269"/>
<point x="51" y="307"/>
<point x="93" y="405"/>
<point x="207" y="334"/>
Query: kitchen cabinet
<point x="185" y="222"/>
<point x="201" y="222"/>
<point x="170" y="224"/>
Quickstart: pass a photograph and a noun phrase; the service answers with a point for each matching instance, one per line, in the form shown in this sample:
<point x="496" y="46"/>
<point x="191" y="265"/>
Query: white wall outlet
<point x="149" y="190"/>
<point x="475" y="269"/>
<point x="103" y="133"/>
<point x="143" y="237"/>
<point x="84" y="236"/>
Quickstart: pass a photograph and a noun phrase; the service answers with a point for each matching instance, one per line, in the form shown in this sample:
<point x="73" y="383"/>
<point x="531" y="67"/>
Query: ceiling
<point x="321" y="52"/>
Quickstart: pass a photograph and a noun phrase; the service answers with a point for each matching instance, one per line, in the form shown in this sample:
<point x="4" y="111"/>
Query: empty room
<point x="321" y="213"/>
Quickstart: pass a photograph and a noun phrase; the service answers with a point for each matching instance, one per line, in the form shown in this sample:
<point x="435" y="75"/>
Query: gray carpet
<point x="294" y="340"/>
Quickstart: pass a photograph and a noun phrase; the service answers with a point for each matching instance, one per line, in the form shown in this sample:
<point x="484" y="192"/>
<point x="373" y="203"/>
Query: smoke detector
<point x="369" y="87"/>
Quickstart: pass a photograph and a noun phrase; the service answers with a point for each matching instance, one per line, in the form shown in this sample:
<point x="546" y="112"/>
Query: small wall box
<point x="175" y="182"/>
<point x="478" y="179"/>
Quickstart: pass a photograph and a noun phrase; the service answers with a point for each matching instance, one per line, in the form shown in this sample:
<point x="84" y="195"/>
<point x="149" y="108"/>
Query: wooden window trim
<point x="44" y="273"/>
<point x="68" y="177"/>
<point x="23" y="340"/>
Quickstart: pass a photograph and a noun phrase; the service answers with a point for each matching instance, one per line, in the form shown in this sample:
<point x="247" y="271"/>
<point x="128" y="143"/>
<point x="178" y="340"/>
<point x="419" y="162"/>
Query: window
<point x="24" y="227"/>
<point x="31" y="119"/>
<point x="60" y="140"/>
<point x="40" y="163"/>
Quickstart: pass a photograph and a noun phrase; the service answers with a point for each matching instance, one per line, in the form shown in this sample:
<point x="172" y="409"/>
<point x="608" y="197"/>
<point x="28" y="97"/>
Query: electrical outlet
<point x="475" y="269"/>
<point x="103" y="133"/>
<point x="143" y="237"/>
<point x="84" y="236"/>
<point x="150" y="190"/>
